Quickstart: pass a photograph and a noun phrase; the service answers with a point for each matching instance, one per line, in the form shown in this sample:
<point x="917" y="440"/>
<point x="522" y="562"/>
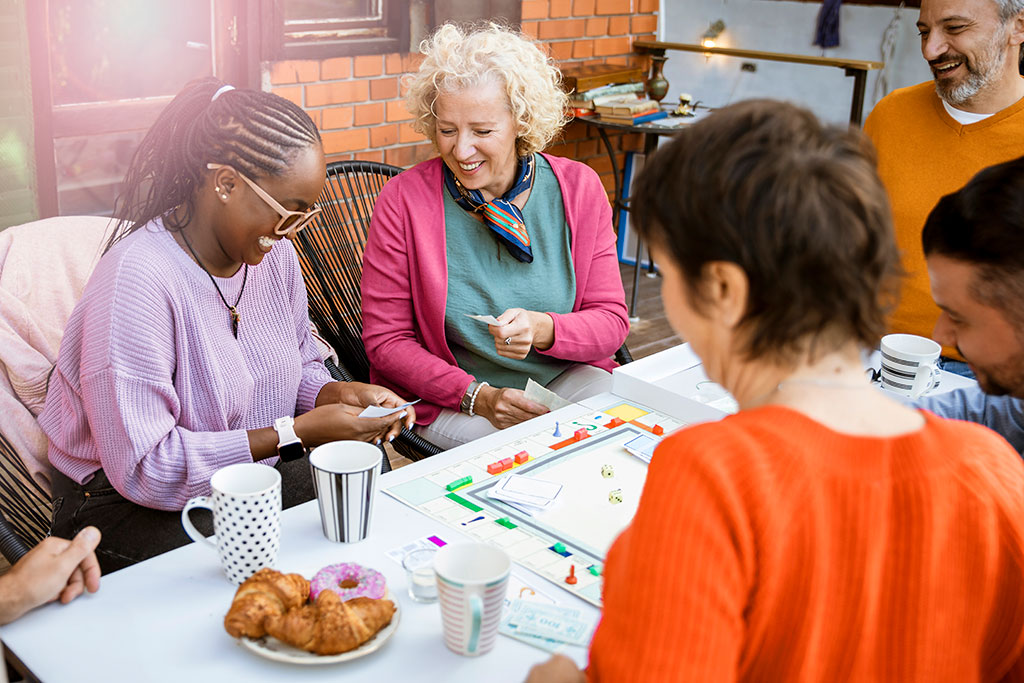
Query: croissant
<point x="330" y="626"/>
<point x="266" y="593"/>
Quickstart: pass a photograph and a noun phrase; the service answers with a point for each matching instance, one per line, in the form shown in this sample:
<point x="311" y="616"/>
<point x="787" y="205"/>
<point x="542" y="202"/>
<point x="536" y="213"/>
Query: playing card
<point x="488" y="319"/>
<point x="538" y="393"/>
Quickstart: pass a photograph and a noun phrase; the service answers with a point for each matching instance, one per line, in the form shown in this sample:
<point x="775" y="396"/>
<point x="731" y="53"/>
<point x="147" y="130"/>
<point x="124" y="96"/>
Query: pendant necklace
<point x="233" y="310"/>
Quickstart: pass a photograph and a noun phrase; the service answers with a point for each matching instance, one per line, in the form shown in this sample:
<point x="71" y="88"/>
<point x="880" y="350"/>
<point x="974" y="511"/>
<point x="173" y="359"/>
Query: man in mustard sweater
<point x="974" y="243"/>
<point x="932" y="137"/>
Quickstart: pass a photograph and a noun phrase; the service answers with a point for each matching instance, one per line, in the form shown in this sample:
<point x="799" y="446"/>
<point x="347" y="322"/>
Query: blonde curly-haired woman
<point x="491" y="227"/>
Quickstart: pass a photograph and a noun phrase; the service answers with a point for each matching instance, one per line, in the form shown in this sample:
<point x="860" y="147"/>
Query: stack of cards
<point x="549" y="622"/>
<point x="642" y="447"/>
<point x="526" y="494"/>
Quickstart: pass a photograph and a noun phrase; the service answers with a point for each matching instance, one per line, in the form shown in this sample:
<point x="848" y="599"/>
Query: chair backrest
<point x="331" y="255"/>
<point x="24" y="506"/>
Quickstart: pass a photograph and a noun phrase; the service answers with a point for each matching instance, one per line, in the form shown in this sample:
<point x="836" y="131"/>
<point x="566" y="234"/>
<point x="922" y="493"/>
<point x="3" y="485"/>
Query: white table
<point x="162" y="620"/>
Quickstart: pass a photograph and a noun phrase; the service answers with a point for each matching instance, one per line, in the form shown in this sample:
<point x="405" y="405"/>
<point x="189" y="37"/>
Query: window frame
<point x="388" y="34"/>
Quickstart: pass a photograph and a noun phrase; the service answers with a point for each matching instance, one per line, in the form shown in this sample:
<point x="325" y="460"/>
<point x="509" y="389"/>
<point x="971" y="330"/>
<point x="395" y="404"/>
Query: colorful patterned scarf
<point x="500" y="215"/>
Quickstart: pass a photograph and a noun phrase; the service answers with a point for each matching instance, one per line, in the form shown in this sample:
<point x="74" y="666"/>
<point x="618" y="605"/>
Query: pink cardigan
<point x="405" y="285"/>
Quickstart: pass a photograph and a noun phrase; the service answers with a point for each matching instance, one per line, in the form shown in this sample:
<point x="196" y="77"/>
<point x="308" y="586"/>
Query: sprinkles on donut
<point x="349" y="580"/>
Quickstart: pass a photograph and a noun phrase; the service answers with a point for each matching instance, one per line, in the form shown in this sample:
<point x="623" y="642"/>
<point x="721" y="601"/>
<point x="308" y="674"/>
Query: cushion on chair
<point x="44" y="266"/>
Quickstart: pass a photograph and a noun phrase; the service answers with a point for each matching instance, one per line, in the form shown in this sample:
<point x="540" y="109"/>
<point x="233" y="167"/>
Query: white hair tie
<point x="223" y="89"/>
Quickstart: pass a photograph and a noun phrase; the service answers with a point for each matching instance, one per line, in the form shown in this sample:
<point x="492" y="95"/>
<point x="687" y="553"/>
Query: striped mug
<point x="345" y="477"/>
<point x="471" y="582"/>
<point x="909" y="364"/>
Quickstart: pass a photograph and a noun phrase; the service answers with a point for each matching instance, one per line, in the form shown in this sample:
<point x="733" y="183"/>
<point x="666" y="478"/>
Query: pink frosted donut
<point x="349" y="580"/>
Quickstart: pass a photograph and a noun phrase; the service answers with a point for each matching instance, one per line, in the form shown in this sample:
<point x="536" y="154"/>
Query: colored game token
<point x="571" y="579"/>
<point x="658" y="430"/>
<point x="594" y="569"/>
<point x="558" y="547"/>
<point x="521" y="457"/>
<point x="580" y="434"/>
<point x="495" y="468"/>
<point x="556" y="432"/>
<point x="459" y="483"/>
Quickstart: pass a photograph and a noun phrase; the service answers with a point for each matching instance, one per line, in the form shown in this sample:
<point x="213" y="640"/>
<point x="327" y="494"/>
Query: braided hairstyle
<point x="256" y="132"/>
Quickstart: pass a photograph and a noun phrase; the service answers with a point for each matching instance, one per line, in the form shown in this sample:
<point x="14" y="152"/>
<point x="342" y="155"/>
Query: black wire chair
<point x="24" y="506"/>
<point x="331" y="255"/>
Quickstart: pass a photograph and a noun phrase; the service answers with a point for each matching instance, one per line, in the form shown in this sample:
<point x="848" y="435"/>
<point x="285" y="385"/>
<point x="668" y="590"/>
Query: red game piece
<point x="580" y="434"/>
<point x="495" y="468"/>
<point x="506" y="464"/>
<point x="658" y="430"/>
<point x="616" y="421"/>
<point x="521" y="457"/>
<point x="571" y="579"/>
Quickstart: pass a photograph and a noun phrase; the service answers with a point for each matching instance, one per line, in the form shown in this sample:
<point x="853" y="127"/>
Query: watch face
<point x="291" y="451"/>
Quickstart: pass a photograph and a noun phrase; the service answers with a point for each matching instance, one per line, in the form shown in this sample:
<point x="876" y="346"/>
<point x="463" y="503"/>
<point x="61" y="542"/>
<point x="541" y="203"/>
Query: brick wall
<point x="356" y="101"/>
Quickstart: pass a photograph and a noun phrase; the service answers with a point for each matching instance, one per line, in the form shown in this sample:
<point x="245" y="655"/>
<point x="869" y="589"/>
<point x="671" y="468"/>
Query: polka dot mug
<point x="246" y="505"/>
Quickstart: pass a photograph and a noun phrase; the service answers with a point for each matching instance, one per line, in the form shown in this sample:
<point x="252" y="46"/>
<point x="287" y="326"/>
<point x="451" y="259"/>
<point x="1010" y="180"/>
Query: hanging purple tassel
<point x="827" y="33"/>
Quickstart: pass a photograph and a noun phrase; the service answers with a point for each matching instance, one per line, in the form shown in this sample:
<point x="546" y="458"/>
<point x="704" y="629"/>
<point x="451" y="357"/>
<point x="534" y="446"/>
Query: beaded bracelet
<point x="472" y="400"/>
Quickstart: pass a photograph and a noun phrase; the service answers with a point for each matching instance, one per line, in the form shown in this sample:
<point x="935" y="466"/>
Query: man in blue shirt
<point x="974" y="245"/>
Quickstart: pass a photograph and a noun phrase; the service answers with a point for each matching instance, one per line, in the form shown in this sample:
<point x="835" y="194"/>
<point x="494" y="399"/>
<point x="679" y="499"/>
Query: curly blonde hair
<point x="459" y="58"/>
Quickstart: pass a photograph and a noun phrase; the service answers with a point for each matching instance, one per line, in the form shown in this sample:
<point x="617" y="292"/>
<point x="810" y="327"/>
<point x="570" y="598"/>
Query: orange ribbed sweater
<point x="767" y="547"/>
<point x="923" y="154"/>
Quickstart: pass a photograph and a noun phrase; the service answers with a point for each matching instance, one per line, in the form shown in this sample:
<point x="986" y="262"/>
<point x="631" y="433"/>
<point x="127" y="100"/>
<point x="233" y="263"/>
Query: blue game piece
<point x="556" y="432"/>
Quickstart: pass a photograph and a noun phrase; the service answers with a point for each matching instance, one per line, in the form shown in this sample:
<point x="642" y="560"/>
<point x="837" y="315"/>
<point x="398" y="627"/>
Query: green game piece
<point x="595" y="570"/>
<point x="459" y="483"/>
<point x="463" y="502"/>
<point x="558" y="548"/>
<point x="505" y="522"/>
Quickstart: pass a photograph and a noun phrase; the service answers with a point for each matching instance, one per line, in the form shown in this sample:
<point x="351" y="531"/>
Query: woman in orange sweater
<point x="826" y="532"/>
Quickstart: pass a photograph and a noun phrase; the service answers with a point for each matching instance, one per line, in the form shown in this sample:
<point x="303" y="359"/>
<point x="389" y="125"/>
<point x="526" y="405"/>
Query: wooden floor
<point x="648" y="335"/>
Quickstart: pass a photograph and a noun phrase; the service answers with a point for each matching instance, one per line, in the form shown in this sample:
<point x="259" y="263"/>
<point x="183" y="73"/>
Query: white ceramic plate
<point x="274" y="649"/>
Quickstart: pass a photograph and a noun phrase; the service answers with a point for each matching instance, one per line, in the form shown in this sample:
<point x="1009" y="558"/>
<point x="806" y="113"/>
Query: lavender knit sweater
<point x="151" y="385"/>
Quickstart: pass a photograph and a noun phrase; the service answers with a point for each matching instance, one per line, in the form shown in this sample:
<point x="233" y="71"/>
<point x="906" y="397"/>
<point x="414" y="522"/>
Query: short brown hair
<point x="796" y="204"/>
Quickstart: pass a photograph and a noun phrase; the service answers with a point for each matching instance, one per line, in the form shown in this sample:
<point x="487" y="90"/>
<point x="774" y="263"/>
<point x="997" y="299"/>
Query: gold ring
<point x="508" y="341"/>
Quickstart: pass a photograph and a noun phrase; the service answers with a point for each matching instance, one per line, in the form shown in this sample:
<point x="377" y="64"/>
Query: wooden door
<point x="102" y="70"/>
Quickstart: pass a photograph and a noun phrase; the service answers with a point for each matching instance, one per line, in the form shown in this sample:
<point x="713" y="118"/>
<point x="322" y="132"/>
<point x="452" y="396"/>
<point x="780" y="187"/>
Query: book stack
<point x="629" y="111"/>
<point x="590" y="85"/>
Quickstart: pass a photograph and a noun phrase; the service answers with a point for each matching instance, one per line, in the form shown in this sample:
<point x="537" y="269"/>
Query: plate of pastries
<point x="276" y="616"/>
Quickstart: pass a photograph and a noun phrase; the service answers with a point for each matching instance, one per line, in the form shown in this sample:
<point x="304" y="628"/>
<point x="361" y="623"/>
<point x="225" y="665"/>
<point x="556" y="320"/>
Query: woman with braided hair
<point x="190" y="349"/>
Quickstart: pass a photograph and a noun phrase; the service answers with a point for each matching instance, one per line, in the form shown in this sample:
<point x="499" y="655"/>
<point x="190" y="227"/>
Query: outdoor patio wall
<point x="357" y="101"/>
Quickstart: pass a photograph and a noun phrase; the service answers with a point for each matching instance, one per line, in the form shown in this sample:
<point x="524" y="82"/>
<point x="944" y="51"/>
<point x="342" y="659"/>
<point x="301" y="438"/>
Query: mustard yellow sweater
<point x="924" y="154"/>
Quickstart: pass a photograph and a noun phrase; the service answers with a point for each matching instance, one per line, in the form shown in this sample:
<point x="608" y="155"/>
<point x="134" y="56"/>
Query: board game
<point x="601" y="484"/>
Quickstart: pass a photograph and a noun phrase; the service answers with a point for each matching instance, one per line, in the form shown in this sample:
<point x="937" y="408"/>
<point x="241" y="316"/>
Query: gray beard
<point x="961" y="94"/>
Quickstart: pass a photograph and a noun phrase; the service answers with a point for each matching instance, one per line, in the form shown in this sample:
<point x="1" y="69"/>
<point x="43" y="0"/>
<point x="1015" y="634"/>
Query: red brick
<point x="407" y="134"/>
<point x="295" y="71"/>
<point x="561" y="28"/>
<point x="396" y="111"/>
<point x="398" y="156"/>
<point x="337" y="117"/>
<point x="618" y="26"/>
<point x="411" y="62"/>
<point x="608" y="180"/>
<point x="336" y="68"/>
<point x="582" y="48"/>
<point x="561" y="51"/>
<point x="611" y="46"/>
<point x="369" y="114"/>
<point x="560" y="8"/>
<point x="367" y="65"/>
<point x="337" y="93"/>
<point x="384" y="89"/>
<point x="293" y="93"/>
<point x="613" y="7"/>
<point x="423" y="152"/>
<point x="346" y="140"/>
<point x="587" y="148"/>
<point x="382" y="136"/>
<point x="582" y="8"/>
<point x="530" y="28"/>
<point x="597" y="26"/>
<point x="377" y="156"/>
<point x="576" y="130"/>
<point x="317" y="116"/>
<point x="393" y="63"/>
<point x="601" y="164"/>
<point x="563" y="150"/>
<point x="535" y="9"/>
<point x="617" y="61"/>
<point x="646" y="6"/>
<point x="646" y="23"/>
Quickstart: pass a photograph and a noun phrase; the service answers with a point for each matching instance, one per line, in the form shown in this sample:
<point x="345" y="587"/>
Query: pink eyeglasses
<point x="291" y="221"/>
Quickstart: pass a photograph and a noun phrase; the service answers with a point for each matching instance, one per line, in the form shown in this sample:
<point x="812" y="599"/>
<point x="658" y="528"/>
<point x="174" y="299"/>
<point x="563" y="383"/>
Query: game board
<point x="594" y="506"/>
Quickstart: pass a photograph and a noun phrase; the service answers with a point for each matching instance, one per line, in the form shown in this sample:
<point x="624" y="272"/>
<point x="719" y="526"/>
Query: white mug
<point x="909" y="364"/>
<point x="246" y="505"/>
<point x="471" y="582"/>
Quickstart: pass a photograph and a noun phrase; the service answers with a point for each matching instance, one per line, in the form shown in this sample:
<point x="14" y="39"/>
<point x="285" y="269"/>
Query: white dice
<point x="615" y="497"/>
<point x="607" y="471"/>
